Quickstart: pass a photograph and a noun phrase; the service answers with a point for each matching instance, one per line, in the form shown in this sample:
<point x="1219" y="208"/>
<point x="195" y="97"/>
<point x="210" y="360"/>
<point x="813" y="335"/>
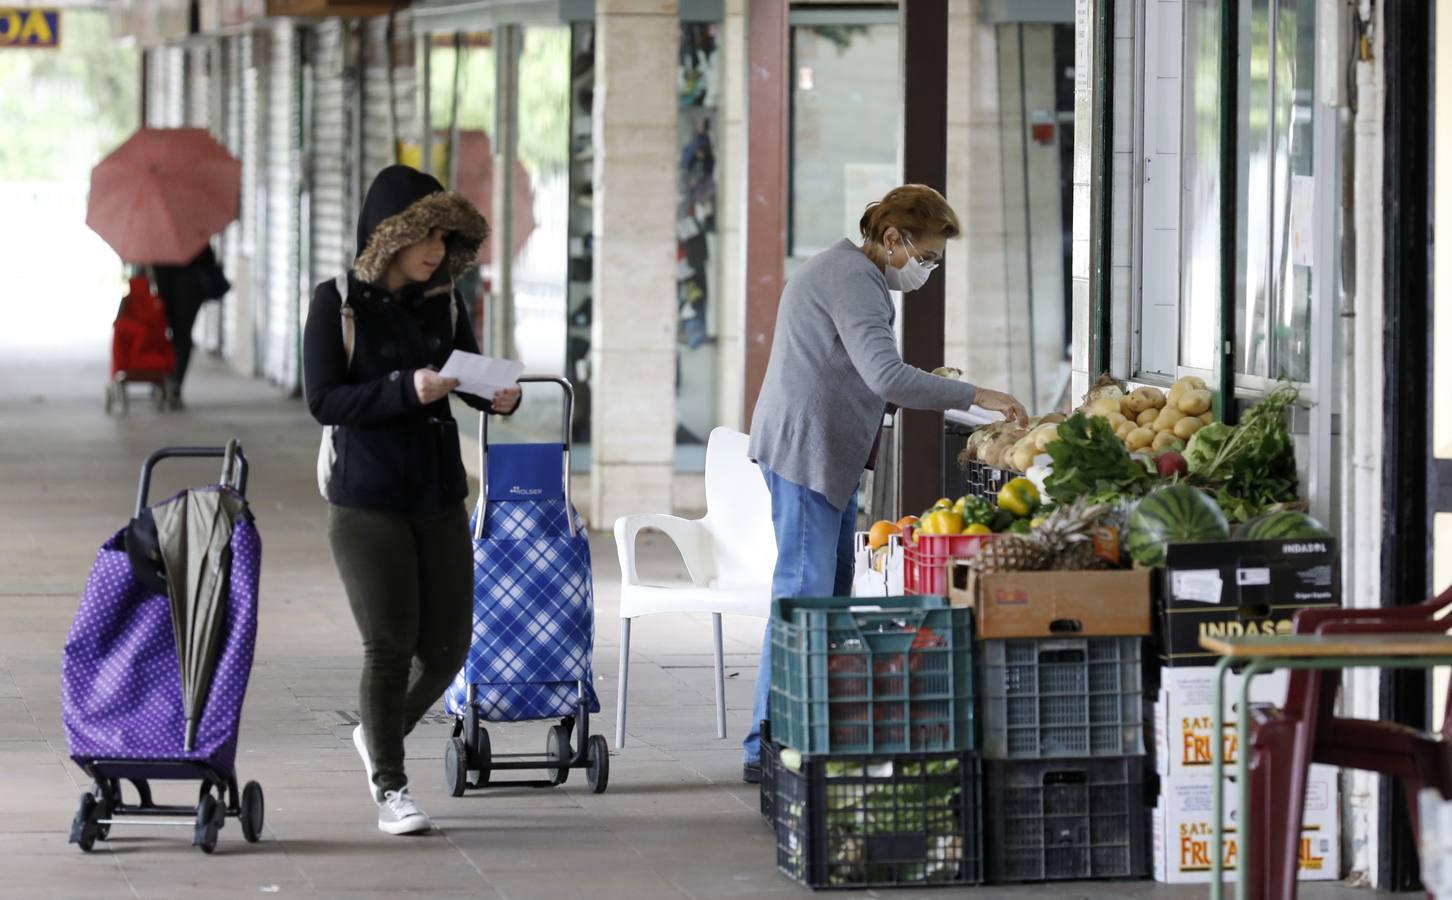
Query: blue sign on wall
<point x="29" y="27"/>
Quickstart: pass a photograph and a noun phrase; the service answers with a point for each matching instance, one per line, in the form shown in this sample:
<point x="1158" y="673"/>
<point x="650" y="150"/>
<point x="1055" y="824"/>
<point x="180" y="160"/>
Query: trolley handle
<point x="566" y="442"/>
<point x="234" y="467"/>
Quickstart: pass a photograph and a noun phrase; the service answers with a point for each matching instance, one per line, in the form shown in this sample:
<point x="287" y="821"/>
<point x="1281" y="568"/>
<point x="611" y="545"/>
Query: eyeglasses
<point x="931" y="262"/>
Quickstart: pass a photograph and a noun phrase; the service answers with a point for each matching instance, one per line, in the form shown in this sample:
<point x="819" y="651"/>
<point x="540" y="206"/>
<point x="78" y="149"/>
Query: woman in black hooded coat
<point x="396" y="485"/>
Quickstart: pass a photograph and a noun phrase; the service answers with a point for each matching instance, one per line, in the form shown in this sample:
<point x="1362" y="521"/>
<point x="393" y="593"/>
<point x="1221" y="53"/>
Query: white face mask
<point x="911" y="276"/>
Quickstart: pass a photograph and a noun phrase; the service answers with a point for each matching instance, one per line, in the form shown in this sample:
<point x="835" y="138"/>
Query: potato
<point x="1105" y="406"/>
<point x="1166" y="419"/>
<point x="1148" y="398"/>
<point x="1195" y="402"/>
<point x="1146" y="417"/>
<point x="1186" y="427"/>
<point x="1117" y="420"/>
<point x="1122" y="432"/>
<point x="1173" y="397"/>
<point x="1139" y="439"/>
<point x="1164" y="440"/>
<point x="1134" y="404"/>
<point x="1208" y="417"/>
<point x="1193" y="383"/>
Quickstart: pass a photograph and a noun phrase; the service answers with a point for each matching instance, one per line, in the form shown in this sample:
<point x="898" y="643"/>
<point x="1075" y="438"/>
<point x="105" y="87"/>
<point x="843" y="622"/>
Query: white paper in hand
<point x="482" y="375"/>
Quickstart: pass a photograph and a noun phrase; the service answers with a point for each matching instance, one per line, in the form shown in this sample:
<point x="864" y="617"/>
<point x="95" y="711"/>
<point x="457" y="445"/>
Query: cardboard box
<point x="1108" y="603"/>
<point x="1183" y="724"/>
<point x="1183" y="834"/>
<point x="1234" y="588"/>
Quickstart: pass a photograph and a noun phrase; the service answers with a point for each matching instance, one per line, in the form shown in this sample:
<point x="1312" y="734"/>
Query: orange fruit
<point x="905" y="521"/>
<point x="880" y="532"/>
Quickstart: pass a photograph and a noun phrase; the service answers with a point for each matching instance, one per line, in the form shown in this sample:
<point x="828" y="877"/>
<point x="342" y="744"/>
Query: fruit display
<point x="1081" y="535"/>
<point x="1017" y="502"/>
<point x="1176" y="513"/>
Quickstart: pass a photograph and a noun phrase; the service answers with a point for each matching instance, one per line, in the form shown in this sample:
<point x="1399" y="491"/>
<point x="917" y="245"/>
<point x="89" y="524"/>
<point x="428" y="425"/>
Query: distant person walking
<point x="183" y="290"/>
<point x="396" y="486"/>
<point x="834" y="370"/>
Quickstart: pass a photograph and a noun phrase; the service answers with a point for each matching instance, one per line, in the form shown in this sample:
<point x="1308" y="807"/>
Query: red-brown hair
<point x="914" y="208"/>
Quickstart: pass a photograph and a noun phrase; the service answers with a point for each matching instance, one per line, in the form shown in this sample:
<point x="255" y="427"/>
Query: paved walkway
<point x="676" y="822"/>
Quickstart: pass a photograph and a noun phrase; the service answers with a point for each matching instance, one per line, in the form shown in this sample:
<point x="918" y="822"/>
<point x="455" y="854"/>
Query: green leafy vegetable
<point x="1251" y="467"/>
<point x="1090" y="461"/>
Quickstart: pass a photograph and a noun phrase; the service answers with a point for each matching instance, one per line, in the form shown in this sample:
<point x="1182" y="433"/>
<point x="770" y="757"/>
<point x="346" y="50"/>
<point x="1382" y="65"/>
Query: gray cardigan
<point x="834" y="369"/>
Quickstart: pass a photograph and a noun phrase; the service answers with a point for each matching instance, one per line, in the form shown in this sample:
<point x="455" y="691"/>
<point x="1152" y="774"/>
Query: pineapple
<point x="1012" y="553"/>
<point x="1067" y="535"/>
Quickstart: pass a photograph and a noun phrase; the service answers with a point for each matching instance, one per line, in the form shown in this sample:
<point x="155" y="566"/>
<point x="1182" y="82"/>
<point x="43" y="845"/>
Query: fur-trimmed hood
<point x="402" y="206"/>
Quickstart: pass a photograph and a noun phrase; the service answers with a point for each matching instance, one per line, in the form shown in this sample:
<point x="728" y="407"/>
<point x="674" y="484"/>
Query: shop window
<point x="846" y="107"/>
<point x="698" y="79"/>
<point x="1275" y="251"/>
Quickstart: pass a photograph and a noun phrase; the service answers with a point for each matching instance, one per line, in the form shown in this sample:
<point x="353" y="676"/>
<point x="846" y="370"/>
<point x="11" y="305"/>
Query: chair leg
<point x="624" y="684"/>
<point x="720" y="678"/>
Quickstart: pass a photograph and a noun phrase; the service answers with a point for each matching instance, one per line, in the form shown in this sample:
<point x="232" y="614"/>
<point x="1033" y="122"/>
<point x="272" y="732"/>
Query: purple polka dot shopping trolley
<point x="534" y="620"/>
<point x="157" y="660"/>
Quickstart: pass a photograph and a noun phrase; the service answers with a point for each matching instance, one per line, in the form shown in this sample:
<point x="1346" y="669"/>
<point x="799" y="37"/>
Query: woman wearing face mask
<point x="834" y="370"/>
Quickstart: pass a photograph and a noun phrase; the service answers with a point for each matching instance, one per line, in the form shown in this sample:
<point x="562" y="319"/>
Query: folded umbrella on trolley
<point x="194" y="534"/>
<point x="160" y="196"/>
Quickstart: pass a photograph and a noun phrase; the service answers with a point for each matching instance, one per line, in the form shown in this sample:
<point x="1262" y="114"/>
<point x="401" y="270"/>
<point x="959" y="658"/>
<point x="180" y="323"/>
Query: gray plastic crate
<point x="1066" y="819"/>
<point x="1061" y="697"/>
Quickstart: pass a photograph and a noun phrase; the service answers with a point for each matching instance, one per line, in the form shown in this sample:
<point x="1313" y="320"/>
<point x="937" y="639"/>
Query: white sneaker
<point x="397" y="814"/>
<point x="362" y="747"/>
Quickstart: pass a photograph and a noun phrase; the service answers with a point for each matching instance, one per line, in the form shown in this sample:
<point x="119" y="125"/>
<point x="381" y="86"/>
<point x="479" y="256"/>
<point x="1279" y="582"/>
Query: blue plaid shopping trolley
<point x="534" y="619"/>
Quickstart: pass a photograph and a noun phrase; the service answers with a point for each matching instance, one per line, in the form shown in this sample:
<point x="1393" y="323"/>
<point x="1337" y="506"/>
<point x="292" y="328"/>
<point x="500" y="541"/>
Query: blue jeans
<point x="813" y="559"/>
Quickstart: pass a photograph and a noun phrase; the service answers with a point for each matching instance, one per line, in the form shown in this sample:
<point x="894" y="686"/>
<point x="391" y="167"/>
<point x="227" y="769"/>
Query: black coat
<point x="393" y="453"/>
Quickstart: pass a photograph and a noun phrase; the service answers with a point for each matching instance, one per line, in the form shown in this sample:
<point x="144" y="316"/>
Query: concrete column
<point x="730" y="203"/>
<point x="633" y="352"/>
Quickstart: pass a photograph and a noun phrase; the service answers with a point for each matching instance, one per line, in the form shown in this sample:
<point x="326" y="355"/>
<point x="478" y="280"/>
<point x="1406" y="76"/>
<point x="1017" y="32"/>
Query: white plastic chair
<point x="729" y="554"/>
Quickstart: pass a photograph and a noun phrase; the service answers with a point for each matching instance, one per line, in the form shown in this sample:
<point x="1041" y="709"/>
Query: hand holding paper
<point x="482" y="376"/>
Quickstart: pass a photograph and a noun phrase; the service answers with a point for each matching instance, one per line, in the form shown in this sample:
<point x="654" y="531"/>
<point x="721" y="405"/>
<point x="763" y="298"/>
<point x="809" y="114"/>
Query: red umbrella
<point x="476" y="182"/>
<point x="159" y="197"/>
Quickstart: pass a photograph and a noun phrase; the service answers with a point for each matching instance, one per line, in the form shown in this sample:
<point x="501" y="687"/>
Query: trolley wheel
<point x="557" y="750"/>
<point x="204" y="833"/>
<point x="599" y="772"/>
<point x="84" y="826"/>
<point x="253" y="811"/>
<point x="107" y="803"/>
<point x="481" y="759"/>
<point x="456" y="767"/>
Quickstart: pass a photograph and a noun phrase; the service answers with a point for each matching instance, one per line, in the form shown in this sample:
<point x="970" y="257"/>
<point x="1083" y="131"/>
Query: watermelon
<point x="1281" y="525"/>
<point x="1173" y="515"/>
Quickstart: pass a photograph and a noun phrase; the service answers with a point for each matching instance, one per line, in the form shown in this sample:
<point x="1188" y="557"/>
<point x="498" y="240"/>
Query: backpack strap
<point x="345" y="311"/>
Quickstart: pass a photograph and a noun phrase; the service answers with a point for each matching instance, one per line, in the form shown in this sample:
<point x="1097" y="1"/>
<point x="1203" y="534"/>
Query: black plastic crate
<point x="769" y="751"/>
<point x="1066" y="819"/>
<point x="983" y="480"/>
<point x="854" y="821"/>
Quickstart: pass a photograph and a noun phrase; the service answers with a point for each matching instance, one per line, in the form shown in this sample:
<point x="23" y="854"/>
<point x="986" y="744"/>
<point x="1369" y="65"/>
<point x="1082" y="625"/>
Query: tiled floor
<point x="676" y="822"/>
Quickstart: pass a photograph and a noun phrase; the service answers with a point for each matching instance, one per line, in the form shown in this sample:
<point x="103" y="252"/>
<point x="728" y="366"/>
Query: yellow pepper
<point x="977" y="528"/>
<point x="1019" y="497"/>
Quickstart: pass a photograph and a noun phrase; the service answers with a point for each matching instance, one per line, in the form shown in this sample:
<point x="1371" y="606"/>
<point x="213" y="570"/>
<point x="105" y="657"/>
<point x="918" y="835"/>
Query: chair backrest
<point x="738" y="513"/>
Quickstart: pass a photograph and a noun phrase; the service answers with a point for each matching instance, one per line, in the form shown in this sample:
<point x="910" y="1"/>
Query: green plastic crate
<point x="856" y="676"/>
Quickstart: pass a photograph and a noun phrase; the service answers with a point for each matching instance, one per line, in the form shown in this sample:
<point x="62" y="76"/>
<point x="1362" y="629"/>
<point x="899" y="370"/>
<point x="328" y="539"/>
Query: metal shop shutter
<point x="329" y="142"/>
<point x="279" y="344"/>
<point x="388" y="104"/>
